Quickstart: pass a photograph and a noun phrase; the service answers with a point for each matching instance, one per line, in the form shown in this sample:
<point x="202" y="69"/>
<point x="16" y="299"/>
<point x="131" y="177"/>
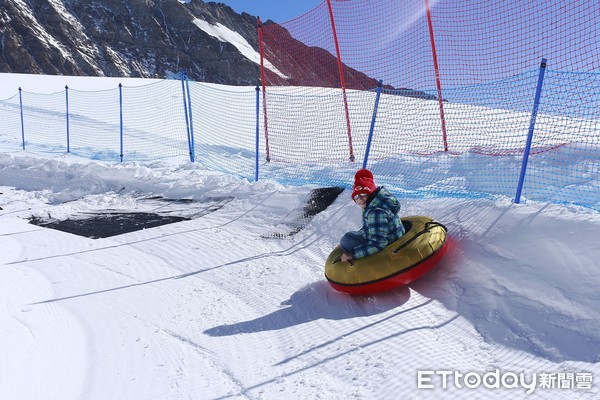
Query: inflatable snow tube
<point x="405" y="260"/>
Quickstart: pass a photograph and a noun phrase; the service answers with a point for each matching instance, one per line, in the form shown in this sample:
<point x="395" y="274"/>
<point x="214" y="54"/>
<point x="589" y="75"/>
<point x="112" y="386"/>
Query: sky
<point x="229" y="304"/>
<point x="277" y="10"/>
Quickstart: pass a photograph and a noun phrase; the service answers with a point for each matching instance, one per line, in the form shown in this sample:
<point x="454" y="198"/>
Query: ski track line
<point x="211" y="358"/>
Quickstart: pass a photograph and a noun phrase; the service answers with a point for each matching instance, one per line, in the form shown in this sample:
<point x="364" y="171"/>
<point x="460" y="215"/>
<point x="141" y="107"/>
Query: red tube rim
<point x="401" y="278"/>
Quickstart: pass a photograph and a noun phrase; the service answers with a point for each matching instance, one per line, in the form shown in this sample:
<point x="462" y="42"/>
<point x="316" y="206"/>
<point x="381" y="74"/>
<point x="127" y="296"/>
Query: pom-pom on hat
<point x="363" y="183"/>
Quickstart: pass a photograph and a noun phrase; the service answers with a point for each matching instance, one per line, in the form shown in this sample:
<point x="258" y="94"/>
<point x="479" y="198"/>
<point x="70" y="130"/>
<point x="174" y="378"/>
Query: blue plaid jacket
<point x="381" y="223"/>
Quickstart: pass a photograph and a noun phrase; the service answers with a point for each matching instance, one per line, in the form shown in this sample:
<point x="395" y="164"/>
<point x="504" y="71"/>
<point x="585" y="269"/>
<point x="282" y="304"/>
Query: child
<point x="380" y="222"/>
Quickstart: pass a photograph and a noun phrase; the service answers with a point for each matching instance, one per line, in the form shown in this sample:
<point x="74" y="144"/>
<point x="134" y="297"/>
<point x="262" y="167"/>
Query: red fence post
<point x="437" y="75"/>
<point x="342" y="79"/>
<point x="264" y="89"/>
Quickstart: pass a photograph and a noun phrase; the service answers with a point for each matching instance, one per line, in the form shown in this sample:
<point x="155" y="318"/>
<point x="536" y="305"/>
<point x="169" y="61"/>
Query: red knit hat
<point x="363" y="183"/>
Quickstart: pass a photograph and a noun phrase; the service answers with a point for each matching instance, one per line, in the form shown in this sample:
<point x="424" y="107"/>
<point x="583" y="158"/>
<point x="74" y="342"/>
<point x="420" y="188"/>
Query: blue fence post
<point x="257" y="133"/>
<point x="534" y="112"/>
<point x="189" y="97"/>
<point x="22" y="122"/>
<point x="185" y="110"/>
<point x="67" y="114"/>
<point x="121" y="119"/>
<point x="379" y="84"/>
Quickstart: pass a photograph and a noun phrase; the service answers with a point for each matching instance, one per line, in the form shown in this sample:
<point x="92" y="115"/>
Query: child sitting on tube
<point x="380" y="222"/>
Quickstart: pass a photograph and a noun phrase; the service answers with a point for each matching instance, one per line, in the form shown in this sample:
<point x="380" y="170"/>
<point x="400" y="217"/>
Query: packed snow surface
<point x="217" y="307"/>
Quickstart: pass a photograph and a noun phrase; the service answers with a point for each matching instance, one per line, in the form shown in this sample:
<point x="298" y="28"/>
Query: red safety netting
<point x="474" y="42"/>
<point x="461" y="80"/>
<point x="480" y="53"/>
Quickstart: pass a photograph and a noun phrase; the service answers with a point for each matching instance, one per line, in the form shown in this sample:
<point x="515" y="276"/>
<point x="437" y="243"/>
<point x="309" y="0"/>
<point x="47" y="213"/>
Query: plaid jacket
<point x="381" y="224"/>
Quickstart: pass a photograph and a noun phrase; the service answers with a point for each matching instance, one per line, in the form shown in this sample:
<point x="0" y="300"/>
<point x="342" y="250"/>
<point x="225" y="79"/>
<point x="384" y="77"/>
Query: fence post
<point x="264" y="89"/>
<point x="342" y="79"/>
<point x="189" y="97"/>
<point x="22" y="122"/>
<point x="185" y="110"/>
<point x="257" y="131"/>
<point x="121" y="119"/>
<point x="67" y="115"/>
<point x="536" y="103"/>
<point x="375" y="107"/>
<point x="438" y="81"/>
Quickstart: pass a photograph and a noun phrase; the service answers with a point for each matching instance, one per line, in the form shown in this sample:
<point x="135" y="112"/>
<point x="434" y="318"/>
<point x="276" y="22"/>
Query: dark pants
<point x="350" y="240"/>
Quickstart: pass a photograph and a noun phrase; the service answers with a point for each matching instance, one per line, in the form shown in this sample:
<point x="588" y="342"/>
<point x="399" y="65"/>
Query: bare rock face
<point x="133" y="38"/>
<point x="156" y="39"/>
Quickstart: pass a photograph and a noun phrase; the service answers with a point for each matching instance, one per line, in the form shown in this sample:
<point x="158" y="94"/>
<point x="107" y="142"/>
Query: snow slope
<point x="219" y="308"/>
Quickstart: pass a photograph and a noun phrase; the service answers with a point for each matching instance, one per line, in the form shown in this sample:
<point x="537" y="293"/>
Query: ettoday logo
<point x="497" y="379"/>
<point x="472" y="380"/>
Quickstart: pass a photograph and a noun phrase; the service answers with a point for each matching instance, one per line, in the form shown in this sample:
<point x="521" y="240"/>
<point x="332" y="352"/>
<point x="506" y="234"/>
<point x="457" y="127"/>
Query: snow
<point x="226" y="35"/>
<point x="217" y="307"/>
<point x="45" y="37"/>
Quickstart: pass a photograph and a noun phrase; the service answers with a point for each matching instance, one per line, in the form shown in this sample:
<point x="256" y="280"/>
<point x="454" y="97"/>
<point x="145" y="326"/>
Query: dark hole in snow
<point x="156" y="211"/>
<point x="108" y="223"/>
<point x="318" y="200"/>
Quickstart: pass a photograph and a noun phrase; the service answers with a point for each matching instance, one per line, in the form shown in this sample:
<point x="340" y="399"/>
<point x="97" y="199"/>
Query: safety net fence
<point x="508" y="103"/>
<point x="473" y="95"/>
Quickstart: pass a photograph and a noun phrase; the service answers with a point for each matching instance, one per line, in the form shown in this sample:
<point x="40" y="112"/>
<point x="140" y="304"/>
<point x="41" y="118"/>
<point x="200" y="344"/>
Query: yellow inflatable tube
<point x="400" y="263"/>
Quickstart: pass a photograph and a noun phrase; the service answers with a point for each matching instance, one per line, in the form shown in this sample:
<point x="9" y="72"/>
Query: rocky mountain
<point x="134" y="38"/>
<point x="297" y="63"/>
<point x="155" y="39"/>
